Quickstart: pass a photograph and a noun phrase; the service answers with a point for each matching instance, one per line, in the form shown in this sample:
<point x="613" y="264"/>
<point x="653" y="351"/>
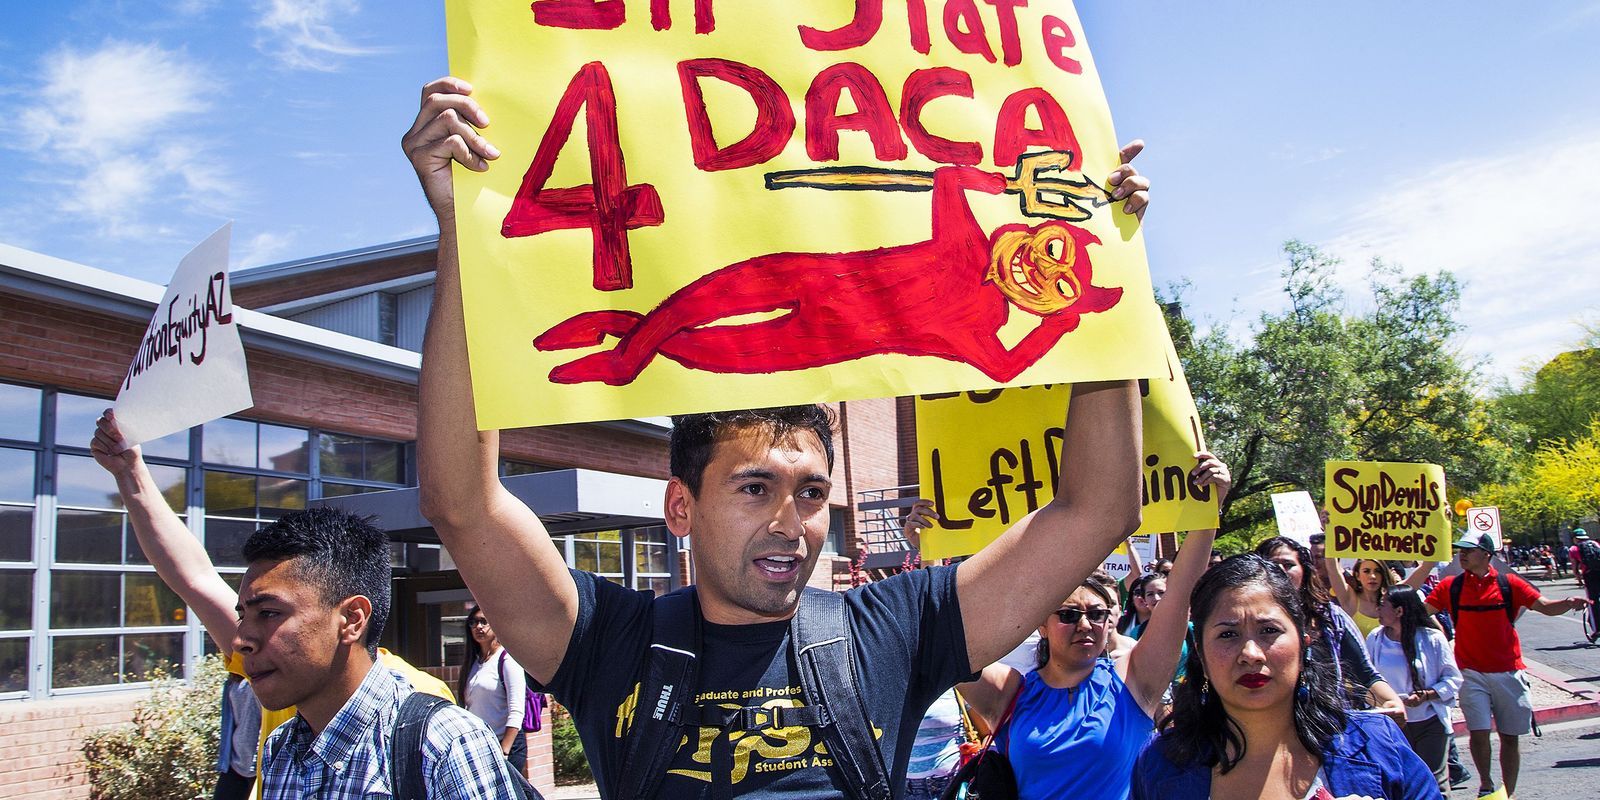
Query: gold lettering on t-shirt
<point x="625" y="711"/>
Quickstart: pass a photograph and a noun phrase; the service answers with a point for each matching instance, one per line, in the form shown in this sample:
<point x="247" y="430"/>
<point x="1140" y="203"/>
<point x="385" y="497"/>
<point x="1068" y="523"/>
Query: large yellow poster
<point x="986" y="459"/>
<point x="718" y="205"/>
<point x="1385" y="509"/>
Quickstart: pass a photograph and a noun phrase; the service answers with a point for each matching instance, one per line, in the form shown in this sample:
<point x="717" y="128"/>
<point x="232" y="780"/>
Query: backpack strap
<point x="824" y="651"/>
<point x="406" y="781"/>
<point x="1504" y="581"/>
<point x="664" y="695"/>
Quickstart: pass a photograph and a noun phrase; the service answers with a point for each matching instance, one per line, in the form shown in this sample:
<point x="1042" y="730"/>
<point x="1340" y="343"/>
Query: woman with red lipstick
<point x="1334" y="635"/>
<point x="1258" y="718"/>
<point x="1072" y="727"/>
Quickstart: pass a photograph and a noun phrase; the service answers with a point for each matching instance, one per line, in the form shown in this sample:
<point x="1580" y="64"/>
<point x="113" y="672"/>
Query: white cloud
<point x="113" y="127"/>
<point x="300" y="33"/>
<point x="1296" y="154"/>
<point x="1517" y="225"/>
<point x="263" y="248"/>
<point x="193" y="8"/>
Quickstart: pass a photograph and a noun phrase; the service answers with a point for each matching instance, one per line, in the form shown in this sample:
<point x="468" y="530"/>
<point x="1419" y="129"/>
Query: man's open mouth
<point x="778" y="566"/>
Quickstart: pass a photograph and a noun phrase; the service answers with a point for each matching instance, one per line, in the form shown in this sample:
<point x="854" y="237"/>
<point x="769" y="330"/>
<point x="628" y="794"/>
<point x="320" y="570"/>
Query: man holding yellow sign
<point x="752" y="488"/>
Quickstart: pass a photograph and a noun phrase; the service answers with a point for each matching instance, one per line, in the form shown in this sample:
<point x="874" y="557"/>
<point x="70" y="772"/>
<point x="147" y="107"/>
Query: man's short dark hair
<point x="693" y="435"/>
<point x="339" y="553"/>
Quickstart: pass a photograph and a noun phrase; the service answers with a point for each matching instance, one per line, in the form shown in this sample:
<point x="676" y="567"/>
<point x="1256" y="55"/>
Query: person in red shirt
<point x="1490" y="653"/>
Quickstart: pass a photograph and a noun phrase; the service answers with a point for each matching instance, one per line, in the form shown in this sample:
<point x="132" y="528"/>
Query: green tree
<point x="1318" y="382"/>
<point x="1560" y="398"/>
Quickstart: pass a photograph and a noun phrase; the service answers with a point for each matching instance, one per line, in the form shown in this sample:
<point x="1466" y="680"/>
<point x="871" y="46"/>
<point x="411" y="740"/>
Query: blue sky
<point x="1461" y="136"/>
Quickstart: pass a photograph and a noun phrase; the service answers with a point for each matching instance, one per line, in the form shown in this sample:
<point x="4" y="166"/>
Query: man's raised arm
<point x="502" y="549"/>
<point x="180" y="560"/>
<point x="1009" y="586"/>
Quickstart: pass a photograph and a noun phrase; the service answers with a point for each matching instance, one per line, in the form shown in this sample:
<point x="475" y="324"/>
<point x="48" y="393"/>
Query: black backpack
<point x="1505" y="603"/>
<point x="406" y="781"/>
<point x="1589" y="554"/>
<point x="821" y="646"/>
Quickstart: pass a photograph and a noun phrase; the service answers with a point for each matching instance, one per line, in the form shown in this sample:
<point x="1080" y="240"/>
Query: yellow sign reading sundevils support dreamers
<point x="987" y="459"/>
<point x="1382" y="509"/>
<point x="733" y="204"/>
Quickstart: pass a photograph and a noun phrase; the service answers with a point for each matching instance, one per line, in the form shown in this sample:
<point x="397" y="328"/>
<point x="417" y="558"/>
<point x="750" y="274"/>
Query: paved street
<point x="1558" y="641"/>
<point x="1564" y="764"/>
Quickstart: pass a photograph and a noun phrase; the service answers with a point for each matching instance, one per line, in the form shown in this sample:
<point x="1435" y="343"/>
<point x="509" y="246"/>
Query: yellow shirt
<point x="1364" y="623"/>
<point x="270" y="720"/>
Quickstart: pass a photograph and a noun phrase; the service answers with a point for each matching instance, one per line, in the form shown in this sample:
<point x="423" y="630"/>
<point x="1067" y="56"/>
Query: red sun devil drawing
<point x="946" y="297"/>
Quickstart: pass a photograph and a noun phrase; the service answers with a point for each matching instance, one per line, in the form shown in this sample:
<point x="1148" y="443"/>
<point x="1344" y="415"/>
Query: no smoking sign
<point x="1483" y="520"/>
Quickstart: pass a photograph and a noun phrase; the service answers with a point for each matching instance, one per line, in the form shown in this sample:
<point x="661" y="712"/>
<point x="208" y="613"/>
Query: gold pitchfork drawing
<point x="1067" y="195"/>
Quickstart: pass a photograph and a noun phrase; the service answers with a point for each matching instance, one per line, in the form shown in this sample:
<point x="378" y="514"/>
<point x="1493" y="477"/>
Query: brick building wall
<point x="43" y="742"/>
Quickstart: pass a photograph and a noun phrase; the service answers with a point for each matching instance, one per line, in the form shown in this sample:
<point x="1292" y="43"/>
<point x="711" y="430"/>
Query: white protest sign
<point x="1297" y="516"/>
<point x="1145" y="545"/>
<point x="1484" y="519"/>
<point x="190" y="367"/>
<point x="1117" y="564"/>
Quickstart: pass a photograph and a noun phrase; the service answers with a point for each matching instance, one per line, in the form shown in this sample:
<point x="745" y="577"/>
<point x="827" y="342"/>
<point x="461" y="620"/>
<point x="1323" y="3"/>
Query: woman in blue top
<point x="1259" y="719"/>
<point x="1080" y="718"/>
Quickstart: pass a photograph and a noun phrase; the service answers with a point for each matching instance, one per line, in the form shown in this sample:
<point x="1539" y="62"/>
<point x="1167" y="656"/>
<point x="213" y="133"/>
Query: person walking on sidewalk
<point x="1413" y="655"/>
<point x="1586" y="566"/>
<point x="1484" y="605"/>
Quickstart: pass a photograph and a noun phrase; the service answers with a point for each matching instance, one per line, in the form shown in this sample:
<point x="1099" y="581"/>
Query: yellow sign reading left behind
<point x="705" y="206"/>
<point x="1384" y="509"/>
<point x="987" y="459"/>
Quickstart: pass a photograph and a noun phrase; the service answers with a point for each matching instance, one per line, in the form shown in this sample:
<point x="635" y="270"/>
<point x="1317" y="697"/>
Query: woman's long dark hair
<point x="471" y="654"/>
<point x="1131" y="612"/>
<point x="1313" y="595"/>
<point x="1414" y="618"/>
<point x="1199" y="728"/>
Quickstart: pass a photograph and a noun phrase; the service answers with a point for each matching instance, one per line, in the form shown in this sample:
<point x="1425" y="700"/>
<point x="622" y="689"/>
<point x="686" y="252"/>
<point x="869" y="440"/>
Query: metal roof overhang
<point x="568" y="501"/>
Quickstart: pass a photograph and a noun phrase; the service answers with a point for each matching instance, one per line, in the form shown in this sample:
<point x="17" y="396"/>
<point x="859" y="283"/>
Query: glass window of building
<point x="652" y="560"/>
<point x="111" y="620"/>
<point x="18" y="485"/>
<point x="599" y="552"/>
<point x="254" y="472"/>
<point x="356" y="465"/>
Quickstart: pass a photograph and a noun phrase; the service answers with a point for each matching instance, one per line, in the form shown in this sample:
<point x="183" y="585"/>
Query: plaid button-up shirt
<point x="349" y="759"/>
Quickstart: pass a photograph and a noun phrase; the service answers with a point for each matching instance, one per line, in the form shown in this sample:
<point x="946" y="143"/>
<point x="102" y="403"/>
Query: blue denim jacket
<point x="1369" y="758"/>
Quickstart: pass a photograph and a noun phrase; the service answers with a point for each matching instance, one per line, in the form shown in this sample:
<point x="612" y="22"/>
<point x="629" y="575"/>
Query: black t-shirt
<point x="909" y="645"/>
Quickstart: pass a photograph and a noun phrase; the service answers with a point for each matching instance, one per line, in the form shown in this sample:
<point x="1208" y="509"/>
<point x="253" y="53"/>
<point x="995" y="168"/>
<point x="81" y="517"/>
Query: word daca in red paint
<point x="963" y="23"/>
<point x="166" y="340"/>
<point x="610" y="207"/>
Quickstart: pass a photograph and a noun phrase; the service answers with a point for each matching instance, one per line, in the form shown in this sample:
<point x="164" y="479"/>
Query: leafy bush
<point x="566" y="749"/>
<point x="169" y="751"/>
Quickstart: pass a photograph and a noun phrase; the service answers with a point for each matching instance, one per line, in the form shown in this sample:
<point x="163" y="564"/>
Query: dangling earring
<point x="1302" y="692"/>
<point x="1205" y="691"/>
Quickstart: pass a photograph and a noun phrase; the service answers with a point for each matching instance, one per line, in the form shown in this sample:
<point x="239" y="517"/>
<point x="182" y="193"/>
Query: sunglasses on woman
<point x="1070" y="616"/>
